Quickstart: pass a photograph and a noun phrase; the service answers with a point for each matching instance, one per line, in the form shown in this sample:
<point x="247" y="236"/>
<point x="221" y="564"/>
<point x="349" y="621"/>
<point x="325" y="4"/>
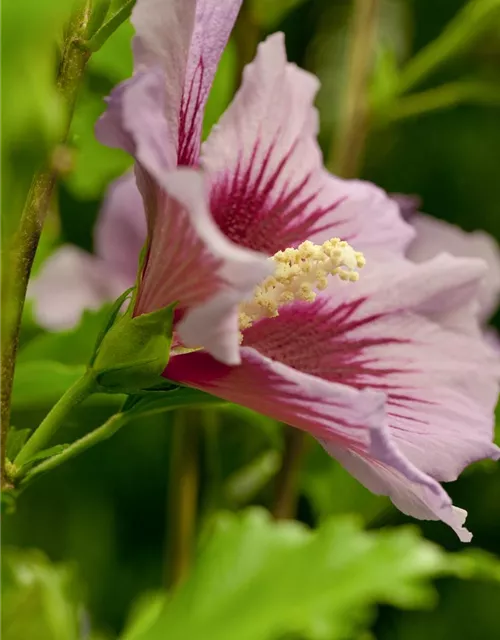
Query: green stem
<point x="210" y="418"/>
<point x="82" y="388"/>
<point x="285" y="502"/>
<point x="348" y="145"/>
<point x="460" y="33"/>
<point x="107" y="29"/>
<point x="100" y="434"/>
<point x="443" y="97"/>
<point x="22" y="249"/>
<point x="182" y="496"/>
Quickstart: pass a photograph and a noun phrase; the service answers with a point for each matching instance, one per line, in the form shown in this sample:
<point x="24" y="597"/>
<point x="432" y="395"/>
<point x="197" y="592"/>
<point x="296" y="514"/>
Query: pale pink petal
<point x="322" y="408"/>
<point x="70" y="281"/>
<point x="120" y="231"/>
<point x="177" y="49"/>
<point x="434" y="236"/>
<point x="135" y="121"/>
<point x="492" y="338"/>
<point x="441" y="379"/>
<point x="192" y="263"/>
<point x="369" y="219"/>
<point x="408" y="204"/>
<point x="411" y="498"/>
<point x="352" y="418"/>
<point x="269" y="187"/>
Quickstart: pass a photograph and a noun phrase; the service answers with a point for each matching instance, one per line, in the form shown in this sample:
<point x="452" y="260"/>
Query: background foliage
<point x="85" y="548"/>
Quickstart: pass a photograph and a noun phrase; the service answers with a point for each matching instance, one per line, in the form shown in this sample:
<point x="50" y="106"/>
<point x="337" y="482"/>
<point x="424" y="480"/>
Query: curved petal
<point x="186" y="39"/>
<point x="70" y="281"/>
<point x="409" y="497"/>
<point x="434" y="236"/>
<point x="135" y="121"/>
<point x="441" y="381"/>
<point x="408" y="204"/>
<point x="192" y="263"/>
<point x="351" y="419"/>
<point x="269" y="187"/>
<point x="369" y="219"/>
<point x="322" y="408"/>
<point x="177" y="49"/>
<point x="120" y="231"/>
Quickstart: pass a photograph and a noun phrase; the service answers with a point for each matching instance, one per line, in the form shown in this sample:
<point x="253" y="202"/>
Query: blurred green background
<point x="105" y="516"/>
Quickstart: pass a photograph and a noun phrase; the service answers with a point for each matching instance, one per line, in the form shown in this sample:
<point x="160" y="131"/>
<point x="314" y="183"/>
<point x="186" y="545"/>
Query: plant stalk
<point x="348" y="145"/>
<point x="182" y="496"/>
<point x="22" y="249"/>
<point x="285" y="503"/>
<point x="105" y="431"/>
<point x="41" y="437"/>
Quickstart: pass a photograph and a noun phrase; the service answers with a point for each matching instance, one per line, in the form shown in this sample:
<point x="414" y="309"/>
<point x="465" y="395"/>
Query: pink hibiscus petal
<point x="351" y="418"/>
<point x="192" y="263"/>
<point x="434" y="236"/>
<point x="269" y="188"/>
<point x="368" y="219"/>
<point x="409" y="497"/>
<point x="263" y="158"/>
<point x="322" y="408"/>
<point x="441" y="381"/>
<point x="198" y="31"/>
<point x="135" y="121"/>
<point x="157" y="114"/>
<point x="70" y="281"/>
<point x="120" y="231"/>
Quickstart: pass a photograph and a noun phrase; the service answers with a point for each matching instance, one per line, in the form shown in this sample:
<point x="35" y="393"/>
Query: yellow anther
<point x="299" y="274"/>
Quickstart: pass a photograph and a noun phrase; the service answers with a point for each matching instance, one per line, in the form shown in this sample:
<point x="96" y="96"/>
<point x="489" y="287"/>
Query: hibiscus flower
<point x="389" y="372"/>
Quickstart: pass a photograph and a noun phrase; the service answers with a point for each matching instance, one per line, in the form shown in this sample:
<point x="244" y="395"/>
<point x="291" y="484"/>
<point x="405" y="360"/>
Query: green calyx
<point x="134" y="352"/>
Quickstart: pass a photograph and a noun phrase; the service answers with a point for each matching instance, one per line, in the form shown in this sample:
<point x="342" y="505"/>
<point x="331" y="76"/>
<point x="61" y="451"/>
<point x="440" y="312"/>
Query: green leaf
<point x="257" y="579"/>
<point x="40" y="384"/>
<point x="39" y="599"/>
<point x="15" y="440"/>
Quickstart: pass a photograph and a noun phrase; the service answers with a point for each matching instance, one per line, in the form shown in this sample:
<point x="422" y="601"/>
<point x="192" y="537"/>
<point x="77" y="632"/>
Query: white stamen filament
<point x="299" y="274"/>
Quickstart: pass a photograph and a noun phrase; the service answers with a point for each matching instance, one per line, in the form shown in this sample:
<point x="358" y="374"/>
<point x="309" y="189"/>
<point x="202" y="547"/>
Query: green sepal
<point x="113" y="314"/>
<point x="99" y="11"/>
<point x="134" y="352"/>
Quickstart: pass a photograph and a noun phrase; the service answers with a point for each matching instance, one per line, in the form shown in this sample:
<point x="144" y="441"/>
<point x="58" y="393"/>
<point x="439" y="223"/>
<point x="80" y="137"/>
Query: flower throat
<point x="299" y="274"/>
